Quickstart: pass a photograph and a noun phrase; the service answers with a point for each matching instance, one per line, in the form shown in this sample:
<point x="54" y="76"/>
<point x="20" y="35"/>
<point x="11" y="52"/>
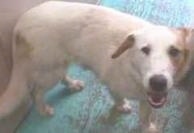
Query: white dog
<point x="134" y="58"/>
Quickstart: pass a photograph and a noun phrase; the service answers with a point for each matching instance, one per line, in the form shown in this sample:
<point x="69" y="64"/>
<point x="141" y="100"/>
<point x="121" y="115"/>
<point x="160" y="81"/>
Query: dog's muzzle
<point x="157" y="94"/>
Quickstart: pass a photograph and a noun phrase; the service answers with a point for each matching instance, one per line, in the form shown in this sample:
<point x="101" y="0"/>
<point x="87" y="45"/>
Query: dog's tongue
<point x="156" y="99"/>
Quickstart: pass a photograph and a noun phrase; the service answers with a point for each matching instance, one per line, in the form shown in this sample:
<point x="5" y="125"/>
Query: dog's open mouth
<point x="157" y="99"/>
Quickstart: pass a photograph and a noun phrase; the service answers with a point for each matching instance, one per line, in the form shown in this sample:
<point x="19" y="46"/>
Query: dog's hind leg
<point x="43" y="108"/>
<point x="44" y="80"/>
<point x="38" y="95"/>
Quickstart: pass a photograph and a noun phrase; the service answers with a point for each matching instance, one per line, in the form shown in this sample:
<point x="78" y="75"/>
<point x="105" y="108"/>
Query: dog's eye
<point x="174" y="52"/>
<point x="146" y="50"/>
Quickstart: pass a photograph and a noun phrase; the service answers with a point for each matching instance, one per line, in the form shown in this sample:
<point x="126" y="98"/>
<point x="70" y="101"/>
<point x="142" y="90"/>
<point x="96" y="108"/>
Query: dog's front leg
<point x="121" y="106"/>
<point x="146" y="124"/>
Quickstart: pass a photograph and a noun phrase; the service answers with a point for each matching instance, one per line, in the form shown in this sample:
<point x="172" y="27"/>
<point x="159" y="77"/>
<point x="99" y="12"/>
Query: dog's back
<point x="89" y="33"/>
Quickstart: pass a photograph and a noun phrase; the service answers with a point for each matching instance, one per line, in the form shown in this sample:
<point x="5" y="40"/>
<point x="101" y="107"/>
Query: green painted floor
<point x="83" y="112"/>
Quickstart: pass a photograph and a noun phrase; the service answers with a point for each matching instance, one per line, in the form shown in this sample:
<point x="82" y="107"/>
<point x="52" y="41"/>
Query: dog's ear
<point x="190" y="39"/>
<point x="126" y="44"/>
<point x="188" y="36"/>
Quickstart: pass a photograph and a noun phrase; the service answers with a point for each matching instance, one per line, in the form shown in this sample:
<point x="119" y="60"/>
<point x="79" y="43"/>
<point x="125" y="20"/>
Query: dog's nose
<point x="158" y="83"/>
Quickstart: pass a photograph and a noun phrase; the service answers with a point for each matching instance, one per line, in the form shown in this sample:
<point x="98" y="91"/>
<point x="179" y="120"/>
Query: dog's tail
<point x="16" y="92"/>
<point x="14" y="95"/>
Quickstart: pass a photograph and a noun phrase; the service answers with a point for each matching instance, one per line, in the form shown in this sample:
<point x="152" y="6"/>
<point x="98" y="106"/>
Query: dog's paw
<point x="47" y="110"/>
<point x="125" y="107"/>
<point x="151" y="129"/>
<point x="76" y="85"/>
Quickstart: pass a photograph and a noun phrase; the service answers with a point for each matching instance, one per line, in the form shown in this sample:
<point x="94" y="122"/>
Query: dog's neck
<point x="121" y="76"/>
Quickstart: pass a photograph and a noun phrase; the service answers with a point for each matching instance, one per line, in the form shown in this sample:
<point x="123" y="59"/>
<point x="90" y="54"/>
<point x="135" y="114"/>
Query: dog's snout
<point x="158" y="83"/>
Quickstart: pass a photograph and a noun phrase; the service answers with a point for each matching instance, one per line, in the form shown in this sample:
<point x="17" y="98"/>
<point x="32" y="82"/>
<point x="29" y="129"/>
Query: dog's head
<point x="161" y="55"/>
